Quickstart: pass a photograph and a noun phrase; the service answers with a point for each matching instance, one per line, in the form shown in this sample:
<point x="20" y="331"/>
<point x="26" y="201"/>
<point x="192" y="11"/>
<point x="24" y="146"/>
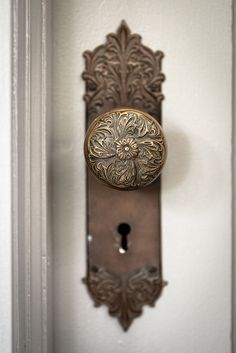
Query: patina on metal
<point x="124" y="269"/>
<point x="125" y="148"/>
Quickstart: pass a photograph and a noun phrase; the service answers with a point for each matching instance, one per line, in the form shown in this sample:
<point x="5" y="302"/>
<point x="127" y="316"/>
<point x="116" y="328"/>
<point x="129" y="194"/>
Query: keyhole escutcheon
<point x="124" y="230"/>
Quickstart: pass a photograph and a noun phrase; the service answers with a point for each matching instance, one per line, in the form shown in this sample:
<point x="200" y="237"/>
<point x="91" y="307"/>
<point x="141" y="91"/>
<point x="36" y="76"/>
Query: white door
<point x="193" y="314"/>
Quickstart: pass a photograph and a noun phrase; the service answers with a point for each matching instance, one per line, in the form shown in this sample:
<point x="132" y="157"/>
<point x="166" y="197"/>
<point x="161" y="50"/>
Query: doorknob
<point x="125" y="148"/>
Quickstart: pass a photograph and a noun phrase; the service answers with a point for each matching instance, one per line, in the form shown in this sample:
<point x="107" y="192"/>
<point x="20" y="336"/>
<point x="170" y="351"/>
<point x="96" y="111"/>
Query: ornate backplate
<point x="123" y="228"/>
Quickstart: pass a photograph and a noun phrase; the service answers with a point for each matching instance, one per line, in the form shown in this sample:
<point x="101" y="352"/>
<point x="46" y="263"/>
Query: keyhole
<point x="124" y="230"/>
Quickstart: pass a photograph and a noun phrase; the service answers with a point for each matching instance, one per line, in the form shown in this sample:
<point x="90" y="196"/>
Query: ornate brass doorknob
<point x="125" y="148"/>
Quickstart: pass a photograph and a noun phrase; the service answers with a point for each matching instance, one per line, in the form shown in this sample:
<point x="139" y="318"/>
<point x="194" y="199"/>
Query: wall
<point x="5" y="176"/>
<point x="194" y="312"/>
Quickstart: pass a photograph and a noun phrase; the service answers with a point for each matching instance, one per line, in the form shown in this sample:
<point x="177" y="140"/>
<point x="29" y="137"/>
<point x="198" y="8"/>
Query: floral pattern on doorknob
<point x="125" y="148"/>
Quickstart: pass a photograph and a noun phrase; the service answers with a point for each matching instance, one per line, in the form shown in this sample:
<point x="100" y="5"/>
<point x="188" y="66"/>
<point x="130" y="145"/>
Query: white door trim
<point x="30" y="111"/>
<point x="5" y="177"/>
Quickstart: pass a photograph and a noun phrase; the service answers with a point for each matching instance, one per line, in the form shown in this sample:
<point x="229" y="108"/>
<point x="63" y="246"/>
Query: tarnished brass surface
<point x="125" y="148"/>
<point x="124" y="266"/>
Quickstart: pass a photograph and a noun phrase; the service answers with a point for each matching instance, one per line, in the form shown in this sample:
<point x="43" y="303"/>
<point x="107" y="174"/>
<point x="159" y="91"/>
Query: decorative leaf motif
<point x="125" y="294"/>
<point x="126" y="149"/>
<point x="123" y="72"/>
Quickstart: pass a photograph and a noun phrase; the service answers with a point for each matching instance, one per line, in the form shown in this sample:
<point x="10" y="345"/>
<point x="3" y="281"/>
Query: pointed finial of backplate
<point x="123" y="27"/>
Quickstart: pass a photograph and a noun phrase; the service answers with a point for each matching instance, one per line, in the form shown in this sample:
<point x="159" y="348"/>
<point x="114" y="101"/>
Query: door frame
<point x="31" y="43"/>
<point x="31" y="109"/>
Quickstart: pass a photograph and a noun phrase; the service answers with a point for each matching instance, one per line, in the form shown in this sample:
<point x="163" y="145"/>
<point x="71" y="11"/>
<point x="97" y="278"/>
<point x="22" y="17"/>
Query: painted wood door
<point x="194" y="313"/>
